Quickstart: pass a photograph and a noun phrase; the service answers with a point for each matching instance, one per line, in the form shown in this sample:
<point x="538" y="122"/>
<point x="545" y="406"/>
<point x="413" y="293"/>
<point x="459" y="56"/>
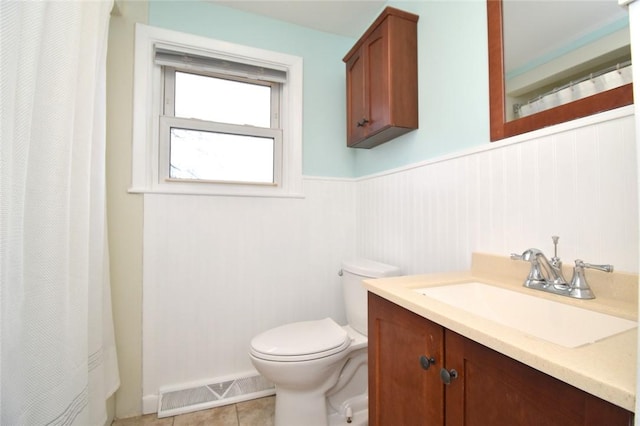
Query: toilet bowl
<point x="319" y="367"/>
<point x="303" y="379"/>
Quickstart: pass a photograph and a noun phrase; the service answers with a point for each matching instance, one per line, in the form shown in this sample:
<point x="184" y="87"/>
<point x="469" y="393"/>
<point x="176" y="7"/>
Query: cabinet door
<point x="357" y="111"/>
<point x="401" y="391"/>
<point x="378" y="79"/>
<point x="493" y="389"/>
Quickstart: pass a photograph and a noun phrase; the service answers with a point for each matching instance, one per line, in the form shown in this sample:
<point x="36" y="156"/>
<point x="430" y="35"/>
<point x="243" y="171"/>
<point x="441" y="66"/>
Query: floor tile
<point x="219" y="416"/>
<point x="147" y="420"/>
<point x="257" y="412"/>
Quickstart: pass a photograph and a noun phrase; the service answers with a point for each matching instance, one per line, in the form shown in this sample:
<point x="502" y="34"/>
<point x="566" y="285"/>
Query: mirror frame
<point x="499" y="127"/>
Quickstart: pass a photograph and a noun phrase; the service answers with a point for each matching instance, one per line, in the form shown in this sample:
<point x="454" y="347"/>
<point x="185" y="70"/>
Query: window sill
<point x="249" y="192"/>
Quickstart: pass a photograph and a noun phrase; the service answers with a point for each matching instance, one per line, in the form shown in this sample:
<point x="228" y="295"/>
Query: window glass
<point x="221" y="100"/>
<point x="213" y="156"/>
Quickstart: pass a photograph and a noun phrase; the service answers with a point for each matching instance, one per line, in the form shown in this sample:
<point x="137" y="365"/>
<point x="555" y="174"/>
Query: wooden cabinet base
<point x="486" y="388"/>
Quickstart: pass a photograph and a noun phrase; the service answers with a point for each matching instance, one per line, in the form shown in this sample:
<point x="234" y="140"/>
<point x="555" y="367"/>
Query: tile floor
<point x="256" y="412"/>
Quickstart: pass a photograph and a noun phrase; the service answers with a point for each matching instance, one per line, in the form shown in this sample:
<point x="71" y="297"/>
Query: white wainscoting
<point x="580" y="184"/>
<point x="219" y="270"/>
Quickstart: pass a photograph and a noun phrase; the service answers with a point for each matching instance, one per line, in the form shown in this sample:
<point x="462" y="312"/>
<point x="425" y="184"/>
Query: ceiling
<point x="348" y="18"/>
<point x="530" y="28"/>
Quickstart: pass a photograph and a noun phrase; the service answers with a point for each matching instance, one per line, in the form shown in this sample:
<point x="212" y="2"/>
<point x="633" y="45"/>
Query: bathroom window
<point x="219" y="128"/>
<point x="212" y="117"/>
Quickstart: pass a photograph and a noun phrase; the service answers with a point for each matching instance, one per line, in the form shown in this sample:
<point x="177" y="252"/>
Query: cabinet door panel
<point x="401" y="391"/>
<point x="378" y="87"/>
<point x="493" y="389"/>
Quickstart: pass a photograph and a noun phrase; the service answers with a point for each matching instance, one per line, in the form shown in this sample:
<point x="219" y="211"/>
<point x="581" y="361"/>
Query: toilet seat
<point x="301" y="341"/>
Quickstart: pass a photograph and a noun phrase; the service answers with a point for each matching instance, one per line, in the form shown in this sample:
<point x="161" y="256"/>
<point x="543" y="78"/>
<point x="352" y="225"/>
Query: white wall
<point x="218" y="270"/>
<point x="580" y="184"/>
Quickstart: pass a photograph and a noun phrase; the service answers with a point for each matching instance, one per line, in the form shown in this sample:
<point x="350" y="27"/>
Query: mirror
<point x="538" y="92"/>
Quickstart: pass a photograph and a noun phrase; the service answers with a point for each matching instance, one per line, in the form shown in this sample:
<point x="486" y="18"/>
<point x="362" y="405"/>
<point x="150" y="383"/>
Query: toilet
<point x="319" y="367"/>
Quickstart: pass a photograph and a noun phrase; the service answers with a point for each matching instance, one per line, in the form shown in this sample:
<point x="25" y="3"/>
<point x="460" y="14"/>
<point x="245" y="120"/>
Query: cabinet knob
<point x="447" y="375"/>
<point x="427" y="362"/>
<point x="362" y="122"/>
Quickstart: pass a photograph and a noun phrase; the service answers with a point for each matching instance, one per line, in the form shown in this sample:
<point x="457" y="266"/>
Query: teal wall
<point x="453" y="86"/>
<point x="452" y="82"/>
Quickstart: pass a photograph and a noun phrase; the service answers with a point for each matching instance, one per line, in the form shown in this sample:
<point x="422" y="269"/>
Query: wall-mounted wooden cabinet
<point x="382" y="80"/>
<point x="410" y="358"/>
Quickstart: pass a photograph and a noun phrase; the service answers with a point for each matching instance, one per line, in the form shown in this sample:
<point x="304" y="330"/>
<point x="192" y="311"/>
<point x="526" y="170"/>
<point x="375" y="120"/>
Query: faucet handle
<point x="603" y="268"/>
<point x="579" y="287"/>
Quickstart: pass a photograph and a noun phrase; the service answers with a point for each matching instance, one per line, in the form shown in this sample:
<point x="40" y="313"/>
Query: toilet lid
<point x="300" y="341"/>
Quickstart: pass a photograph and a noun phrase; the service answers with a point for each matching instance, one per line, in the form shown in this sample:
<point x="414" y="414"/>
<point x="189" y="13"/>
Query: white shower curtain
<point x="57" y="351"/>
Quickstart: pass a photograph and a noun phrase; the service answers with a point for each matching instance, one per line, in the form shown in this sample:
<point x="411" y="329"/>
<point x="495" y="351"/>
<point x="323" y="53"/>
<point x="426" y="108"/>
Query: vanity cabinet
<point x="486" y="388"/>
<point x="382" y="80"/>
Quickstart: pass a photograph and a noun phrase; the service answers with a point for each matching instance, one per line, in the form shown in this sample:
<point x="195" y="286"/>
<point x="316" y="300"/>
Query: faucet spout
<point x="541" y="266"/>
<point x="555" y="273"/>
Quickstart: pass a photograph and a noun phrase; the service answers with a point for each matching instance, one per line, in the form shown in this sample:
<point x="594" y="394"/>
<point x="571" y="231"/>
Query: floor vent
<point x="223" y="392"/>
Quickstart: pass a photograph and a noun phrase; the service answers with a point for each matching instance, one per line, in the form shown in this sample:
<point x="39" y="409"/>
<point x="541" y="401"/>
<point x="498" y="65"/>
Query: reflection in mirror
<point x="551" y="70"/>
<point x="583" y="50"/>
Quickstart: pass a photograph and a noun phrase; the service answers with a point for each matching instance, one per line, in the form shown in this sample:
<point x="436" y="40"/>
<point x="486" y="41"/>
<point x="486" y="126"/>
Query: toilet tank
<point x="355" y="295"/>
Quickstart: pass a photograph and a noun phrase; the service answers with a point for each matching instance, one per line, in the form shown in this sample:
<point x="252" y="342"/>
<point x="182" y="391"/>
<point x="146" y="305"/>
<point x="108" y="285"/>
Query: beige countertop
<point x="606" y="368"/>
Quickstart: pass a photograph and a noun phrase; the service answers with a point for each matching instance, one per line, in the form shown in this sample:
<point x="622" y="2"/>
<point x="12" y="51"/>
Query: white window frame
<point x="148" y="176"/>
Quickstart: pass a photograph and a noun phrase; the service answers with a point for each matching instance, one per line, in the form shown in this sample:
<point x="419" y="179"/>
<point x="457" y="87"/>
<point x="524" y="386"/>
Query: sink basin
<point x="565" y="325"/>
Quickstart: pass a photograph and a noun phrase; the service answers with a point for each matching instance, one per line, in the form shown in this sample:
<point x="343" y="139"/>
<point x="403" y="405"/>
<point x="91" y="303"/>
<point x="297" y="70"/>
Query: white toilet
<point x="319" y="368"/>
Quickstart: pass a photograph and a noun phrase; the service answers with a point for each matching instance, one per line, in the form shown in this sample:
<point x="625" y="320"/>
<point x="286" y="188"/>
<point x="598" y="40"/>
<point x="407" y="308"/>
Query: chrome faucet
<point x="546" y="275"/>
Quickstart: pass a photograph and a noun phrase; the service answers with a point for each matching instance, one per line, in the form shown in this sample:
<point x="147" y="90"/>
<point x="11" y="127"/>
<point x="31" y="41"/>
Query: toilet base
<point x="294" y="408"/>
<point x="300" y="408"/>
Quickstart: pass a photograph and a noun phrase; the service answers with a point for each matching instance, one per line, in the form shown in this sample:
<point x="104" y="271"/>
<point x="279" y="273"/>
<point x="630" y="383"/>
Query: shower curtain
<point x="57" y="350"/>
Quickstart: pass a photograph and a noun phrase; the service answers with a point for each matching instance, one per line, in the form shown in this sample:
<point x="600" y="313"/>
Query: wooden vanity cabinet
<point x="490" y="388"/>
<point x="382" y="80"/>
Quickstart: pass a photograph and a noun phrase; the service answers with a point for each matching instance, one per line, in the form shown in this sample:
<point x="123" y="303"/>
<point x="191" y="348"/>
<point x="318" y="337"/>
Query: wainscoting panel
<point x="219" y="270"/>
<point x="580" y="184"/>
